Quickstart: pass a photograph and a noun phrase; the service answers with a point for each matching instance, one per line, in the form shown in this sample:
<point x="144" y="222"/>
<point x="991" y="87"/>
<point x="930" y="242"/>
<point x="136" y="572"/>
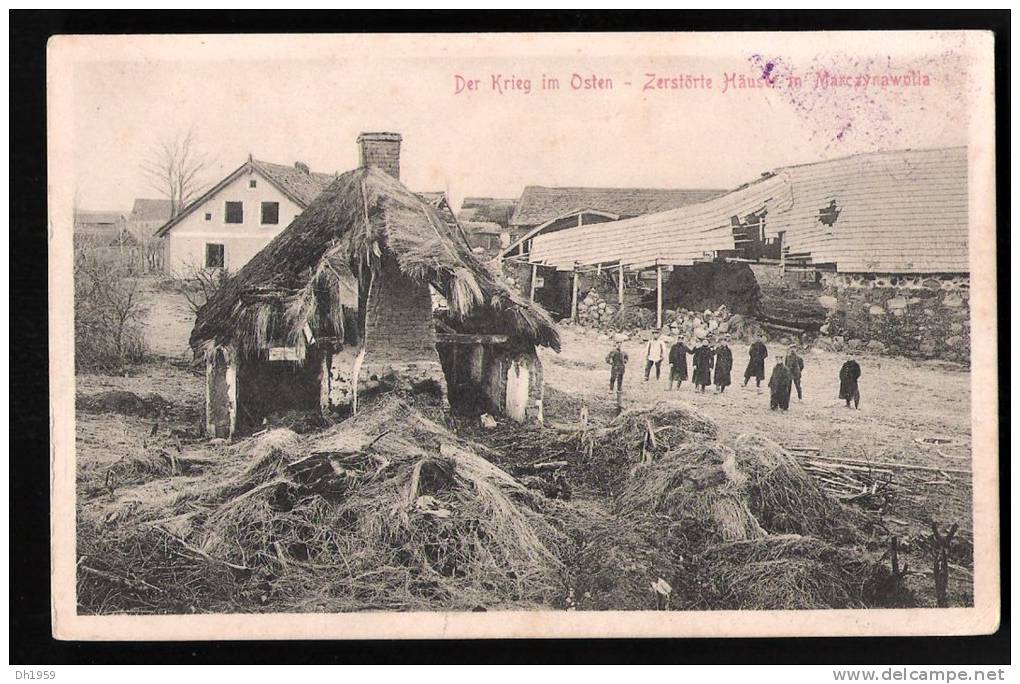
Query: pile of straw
<point x="785" y="498"/>
<point x="636" y="436"/>
<point x="700" y="491"/>
<point x="792" y="572"/>
<point x="387" y="511"/>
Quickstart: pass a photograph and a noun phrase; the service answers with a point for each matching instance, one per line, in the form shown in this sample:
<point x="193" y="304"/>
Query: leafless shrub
<point x="199" y="285"/>
<point x="108" y="307"/>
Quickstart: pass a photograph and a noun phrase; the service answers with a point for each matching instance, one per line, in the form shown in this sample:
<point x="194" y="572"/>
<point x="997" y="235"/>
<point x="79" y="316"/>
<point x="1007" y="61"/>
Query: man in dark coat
<point x="702" y="360"/>
<point x="779" y="386"/>
<point x="617" y="360"/>
<point x="756" y="363"/>
<point x="848" y="376"/>
<point x="723" y="366"/>
<point x="795" y="364"/>
<point x="678" y="363"/>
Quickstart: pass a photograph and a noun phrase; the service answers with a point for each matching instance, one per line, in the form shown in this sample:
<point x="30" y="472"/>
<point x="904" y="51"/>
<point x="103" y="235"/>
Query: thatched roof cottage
<point x="339" y="303"/>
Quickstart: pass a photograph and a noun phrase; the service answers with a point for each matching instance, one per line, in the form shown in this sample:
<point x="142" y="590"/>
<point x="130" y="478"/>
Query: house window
<point x="270" y="213"/>
<point x="214" y="255"/>
<point x="252" y="183"/>
<point x="234" y="212"/>
<point x="208" y="216"/>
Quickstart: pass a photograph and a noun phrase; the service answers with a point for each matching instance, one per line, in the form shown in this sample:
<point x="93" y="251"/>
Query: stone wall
<point x="926" y="316"/>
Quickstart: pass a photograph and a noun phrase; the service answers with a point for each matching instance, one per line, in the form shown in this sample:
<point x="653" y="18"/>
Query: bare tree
<point x="175" y="167"/>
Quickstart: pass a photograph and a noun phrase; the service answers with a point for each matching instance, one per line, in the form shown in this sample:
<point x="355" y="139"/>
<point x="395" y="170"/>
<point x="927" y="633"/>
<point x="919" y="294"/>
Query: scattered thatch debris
<point x="792" y="572"/>
<point x="699" y="491"/>
<point x="786" y="499"/>
<point x="391" y="510"/>
<point x="388" y="511"/>
<point x="636" y="436"/>
<point x="611" y="561"/>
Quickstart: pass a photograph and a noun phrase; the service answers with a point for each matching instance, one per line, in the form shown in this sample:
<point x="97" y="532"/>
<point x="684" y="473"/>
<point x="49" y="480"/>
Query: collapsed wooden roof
<point x="894" y="212"/>
<point x="539" y="204"/>
<point x="312" y="271"/>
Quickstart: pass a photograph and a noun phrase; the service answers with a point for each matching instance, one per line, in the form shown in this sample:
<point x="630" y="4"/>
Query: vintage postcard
<point x="507" y="335"/>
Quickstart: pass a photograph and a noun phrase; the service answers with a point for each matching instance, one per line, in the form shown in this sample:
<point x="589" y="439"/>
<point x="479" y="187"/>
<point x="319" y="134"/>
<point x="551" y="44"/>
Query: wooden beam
<point x="619" y="296"/>
<point x="573" y="297"/>
<point x="534" y="273"/>
<point x="464" y="338"/>
<point x="658" y="296"/>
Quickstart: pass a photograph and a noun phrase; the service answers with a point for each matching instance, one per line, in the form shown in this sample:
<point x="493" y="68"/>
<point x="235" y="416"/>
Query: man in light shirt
<point x="655" y="352"/>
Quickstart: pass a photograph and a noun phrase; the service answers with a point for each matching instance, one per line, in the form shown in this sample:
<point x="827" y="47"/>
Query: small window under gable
<point x="208" y="216"/>
<point x="215" y="255"/>
<point x="252" y="183"/>
<point x="234" y="212"/>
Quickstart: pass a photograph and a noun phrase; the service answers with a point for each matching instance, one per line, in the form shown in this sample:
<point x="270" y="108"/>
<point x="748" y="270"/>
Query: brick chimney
<point x="382" y="150"/>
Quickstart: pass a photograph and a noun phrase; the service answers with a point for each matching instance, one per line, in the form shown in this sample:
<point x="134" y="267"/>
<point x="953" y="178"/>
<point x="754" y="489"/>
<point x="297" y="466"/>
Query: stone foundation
<point x="925" y="315"/>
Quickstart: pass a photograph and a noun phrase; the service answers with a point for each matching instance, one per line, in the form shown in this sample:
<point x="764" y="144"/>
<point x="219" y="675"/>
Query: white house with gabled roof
<point x="238" y="216"/>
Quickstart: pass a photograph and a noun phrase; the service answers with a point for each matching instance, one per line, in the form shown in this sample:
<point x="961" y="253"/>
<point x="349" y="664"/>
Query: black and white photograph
<point x="422" y="335"/>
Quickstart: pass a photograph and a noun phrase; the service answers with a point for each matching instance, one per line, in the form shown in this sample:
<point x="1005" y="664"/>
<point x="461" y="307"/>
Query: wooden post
<point x="534" y="274"/>
<point x="324" y="378"/>
<point x="619" y="296"/>
<point x="573" y="297"/>
<point x="658" y="295"/>
<point x="782" y="257"/>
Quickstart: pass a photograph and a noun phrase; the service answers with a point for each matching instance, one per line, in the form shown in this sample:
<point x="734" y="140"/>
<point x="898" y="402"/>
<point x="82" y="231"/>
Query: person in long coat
<point x="756" y="363"/>
<point x="796" y="366"/>
<point x="702" y="360"/>
<point x="678" y="363"/>
<point x="779" y="386"/>
<point x="723" y="366"/>
<point x="848" y="387"/>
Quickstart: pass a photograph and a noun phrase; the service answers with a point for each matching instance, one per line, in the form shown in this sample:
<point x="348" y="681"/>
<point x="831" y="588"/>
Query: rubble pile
<point x="594" y="311"/>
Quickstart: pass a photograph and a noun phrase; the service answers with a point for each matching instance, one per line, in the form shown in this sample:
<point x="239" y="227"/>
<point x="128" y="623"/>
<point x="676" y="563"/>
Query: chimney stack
<point x="381" y="150"/>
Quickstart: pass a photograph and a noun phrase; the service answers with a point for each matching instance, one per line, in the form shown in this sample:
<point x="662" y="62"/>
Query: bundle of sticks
<point x="850" y="480"/>
<point x="868" y="483"/>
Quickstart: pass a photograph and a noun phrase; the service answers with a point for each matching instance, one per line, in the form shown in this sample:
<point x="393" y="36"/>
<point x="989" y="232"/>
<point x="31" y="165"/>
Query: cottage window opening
<point x="208" y="216"/>
<point x="270" y="213"/>
<point x="214" y="255"/>
<point x="234" y="212"/>
<point x="252" y="183"/>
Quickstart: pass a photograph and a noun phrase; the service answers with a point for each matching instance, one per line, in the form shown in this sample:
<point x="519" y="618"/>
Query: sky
<point x="287" y="99"/>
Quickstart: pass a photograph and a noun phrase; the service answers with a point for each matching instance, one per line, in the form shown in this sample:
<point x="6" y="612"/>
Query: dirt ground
<point x="903" y="401"/>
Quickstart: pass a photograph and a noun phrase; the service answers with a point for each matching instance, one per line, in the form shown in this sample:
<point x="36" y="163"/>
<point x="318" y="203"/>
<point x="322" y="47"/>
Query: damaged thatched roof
<point x="311" y="271"/>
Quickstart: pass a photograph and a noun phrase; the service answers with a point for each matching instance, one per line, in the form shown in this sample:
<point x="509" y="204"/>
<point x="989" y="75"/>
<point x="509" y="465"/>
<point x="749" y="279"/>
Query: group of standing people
<point x="786" y="374"/>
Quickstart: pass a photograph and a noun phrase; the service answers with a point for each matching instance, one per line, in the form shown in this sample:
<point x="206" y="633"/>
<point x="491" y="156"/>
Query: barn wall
<point x="926" y="315"/>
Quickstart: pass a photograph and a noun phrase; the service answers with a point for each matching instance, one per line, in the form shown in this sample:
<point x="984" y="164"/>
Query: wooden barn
<point x="340" y="304"/>
<point x="887" y="220"/>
